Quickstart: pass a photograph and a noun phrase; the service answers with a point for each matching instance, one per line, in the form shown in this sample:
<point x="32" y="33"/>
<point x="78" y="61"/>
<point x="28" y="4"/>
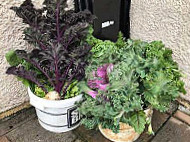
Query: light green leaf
<point x="12" y="58"/>
<point x="24" y="81"/>
<point x="138" y="121"/>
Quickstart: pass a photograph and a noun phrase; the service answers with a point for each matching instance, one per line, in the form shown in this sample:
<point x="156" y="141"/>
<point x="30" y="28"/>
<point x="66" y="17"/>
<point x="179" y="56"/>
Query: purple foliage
<point x="29" y="75"/>
<point x="59" y="55"/>
<point x="93" y="93"/>
<point x="100" y="79"/>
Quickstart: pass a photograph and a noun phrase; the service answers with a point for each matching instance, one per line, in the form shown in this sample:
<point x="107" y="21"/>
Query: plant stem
<point x="65" y="75"/>
<point x="56" y="68"/>
<point x="69" y="82"/>
<point x="57" y="21"/>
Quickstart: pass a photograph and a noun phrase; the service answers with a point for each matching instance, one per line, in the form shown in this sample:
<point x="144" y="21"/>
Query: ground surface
<point x="24" y="127"/>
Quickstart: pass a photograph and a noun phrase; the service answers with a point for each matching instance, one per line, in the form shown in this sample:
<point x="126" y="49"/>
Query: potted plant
<point x="52" y="69"/>
<point x="125" y="81"/>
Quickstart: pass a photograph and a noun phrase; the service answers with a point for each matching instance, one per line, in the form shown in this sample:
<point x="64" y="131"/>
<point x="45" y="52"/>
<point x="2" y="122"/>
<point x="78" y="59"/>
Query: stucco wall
<point x="12" y="92"/>
<point x="166" y="20"/>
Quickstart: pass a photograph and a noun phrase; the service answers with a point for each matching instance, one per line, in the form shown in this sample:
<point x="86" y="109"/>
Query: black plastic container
<point x="112" y="17"/>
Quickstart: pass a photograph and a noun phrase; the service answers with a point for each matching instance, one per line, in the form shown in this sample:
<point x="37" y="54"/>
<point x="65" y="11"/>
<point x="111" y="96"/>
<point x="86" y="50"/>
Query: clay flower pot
<point x="126" y="132"/>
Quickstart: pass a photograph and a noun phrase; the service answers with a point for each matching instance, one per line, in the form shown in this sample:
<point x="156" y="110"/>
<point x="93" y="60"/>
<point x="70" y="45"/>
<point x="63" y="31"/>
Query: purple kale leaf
<point x="60" y="52"/>
<point x="29" y="75"/>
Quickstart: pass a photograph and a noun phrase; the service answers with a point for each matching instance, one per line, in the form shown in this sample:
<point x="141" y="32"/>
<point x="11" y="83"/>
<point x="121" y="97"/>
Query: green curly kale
<point x="144" y="75"/>
<point x="162" y="83"/>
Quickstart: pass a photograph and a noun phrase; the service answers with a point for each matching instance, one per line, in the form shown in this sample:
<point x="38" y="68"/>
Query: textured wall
<point x="12" y="92"/>
<point x="166" y="20"/>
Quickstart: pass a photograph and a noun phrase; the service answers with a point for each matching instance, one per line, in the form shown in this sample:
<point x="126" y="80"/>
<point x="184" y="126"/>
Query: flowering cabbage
<point x="100" y="80"/>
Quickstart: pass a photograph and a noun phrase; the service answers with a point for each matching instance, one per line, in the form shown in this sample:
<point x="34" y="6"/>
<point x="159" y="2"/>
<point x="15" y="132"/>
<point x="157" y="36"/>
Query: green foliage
<point x="40" y="93"/>
<point x="160" y="91"/>
<point x="12" y="58"/>
<point x="138" y="121"/>
<point x="24" y="81"/>
<point x="89" y="124"/>
<point x="72" y="90"/>
<point x="144" y="75"/>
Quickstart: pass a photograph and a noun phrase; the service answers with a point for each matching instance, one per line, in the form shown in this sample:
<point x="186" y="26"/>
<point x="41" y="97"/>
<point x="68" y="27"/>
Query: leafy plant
<point x="60" y="52"/>
<point x="125" y="78"/>
<point x="72" y="90"/>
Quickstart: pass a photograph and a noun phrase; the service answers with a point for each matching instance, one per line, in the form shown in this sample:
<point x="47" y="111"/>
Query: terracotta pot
<point x="126" y="132"/>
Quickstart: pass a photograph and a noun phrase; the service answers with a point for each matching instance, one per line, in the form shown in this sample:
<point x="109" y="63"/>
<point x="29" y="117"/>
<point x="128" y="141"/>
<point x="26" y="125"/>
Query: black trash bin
<point x="112" y="17"/>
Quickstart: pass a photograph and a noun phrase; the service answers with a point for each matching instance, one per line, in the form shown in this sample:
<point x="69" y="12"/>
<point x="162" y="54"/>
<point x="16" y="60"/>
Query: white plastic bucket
<point x="56" y="116"/>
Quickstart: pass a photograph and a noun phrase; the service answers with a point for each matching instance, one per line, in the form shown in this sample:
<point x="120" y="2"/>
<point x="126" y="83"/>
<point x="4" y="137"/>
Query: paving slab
<point x="10" y="123"/>
<point x="182" y="116"/>
<point x="90" y="135"/>
<point x="173" y="131"/>
<point x="31" y="131"/>
<point x="158" y="120"/>
<point x="24" y="127"/>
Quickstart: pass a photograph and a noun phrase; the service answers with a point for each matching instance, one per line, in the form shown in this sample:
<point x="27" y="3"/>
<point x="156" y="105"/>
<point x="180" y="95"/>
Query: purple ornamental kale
<point x="60" y="51"/>
<point x="100" y="80"/>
